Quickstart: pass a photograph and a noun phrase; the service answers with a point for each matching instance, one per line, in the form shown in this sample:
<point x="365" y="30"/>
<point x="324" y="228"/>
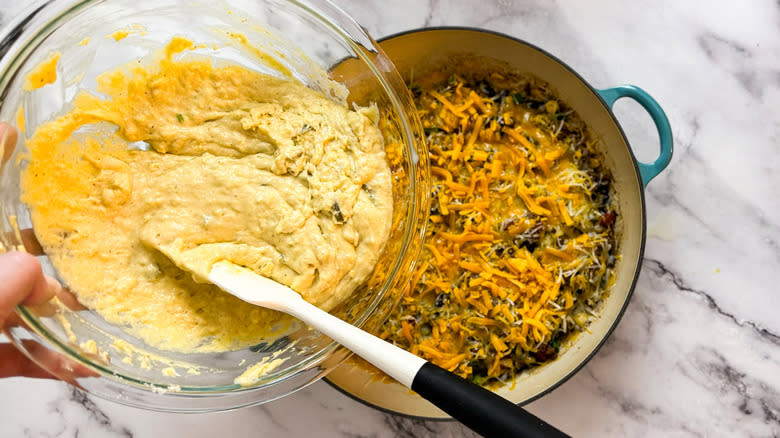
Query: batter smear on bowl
<point x="208" y="163"/>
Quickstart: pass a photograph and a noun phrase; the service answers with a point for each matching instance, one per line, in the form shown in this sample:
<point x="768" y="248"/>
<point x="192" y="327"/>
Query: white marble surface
<point x="698" y="351"/>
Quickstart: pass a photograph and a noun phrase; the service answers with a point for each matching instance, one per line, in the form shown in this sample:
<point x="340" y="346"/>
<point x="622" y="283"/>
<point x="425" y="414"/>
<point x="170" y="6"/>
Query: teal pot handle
<point x="651" y="170"/>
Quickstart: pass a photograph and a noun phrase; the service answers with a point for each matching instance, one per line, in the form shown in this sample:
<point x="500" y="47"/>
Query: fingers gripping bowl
<point x="285" y="39"/>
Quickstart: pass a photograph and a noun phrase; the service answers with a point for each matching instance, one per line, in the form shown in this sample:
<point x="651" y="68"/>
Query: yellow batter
<point x="234" y="165"/>
<point x="44" y="74"/>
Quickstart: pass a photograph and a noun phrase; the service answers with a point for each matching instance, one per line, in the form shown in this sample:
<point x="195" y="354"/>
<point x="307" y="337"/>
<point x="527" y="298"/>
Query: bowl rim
<point x="643" y="214"/>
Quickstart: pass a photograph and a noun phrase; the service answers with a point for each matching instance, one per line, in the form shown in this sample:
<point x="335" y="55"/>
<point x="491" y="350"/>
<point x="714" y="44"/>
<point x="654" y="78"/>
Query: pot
<point x="416" y="51"/>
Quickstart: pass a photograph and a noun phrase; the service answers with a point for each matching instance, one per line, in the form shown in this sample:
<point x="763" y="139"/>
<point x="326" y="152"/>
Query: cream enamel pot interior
<point x="415" y="52"/>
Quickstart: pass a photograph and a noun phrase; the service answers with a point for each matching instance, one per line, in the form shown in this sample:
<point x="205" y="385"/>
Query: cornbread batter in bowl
<point x="241" y="166"/>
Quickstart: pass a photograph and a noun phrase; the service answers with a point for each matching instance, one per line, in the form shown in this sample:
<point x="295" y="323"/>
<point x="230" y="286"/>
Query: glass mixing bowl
<point x="313" y="42"/>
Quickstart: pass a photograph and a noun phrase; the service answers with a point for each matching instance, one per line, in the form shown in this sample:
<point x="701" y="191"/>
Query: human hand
<point x="22" y="281"/>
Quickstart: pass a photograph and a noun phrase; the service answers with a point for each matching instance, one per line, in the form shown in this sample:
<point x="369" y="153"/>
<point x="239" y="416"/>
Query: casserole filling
<point x="520" y="244"/>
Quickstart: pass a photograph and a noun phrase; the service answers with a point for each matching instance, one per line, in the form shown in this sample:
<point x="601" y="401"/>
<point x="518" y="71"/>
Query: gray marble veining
<point x="697" y="353"/>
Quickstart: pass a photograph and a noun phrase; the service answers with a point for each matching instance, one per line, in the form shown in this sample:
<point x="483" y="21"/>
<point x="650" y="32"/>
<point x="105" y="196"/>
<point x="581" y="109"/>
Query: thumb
<point x="22" y="282"/>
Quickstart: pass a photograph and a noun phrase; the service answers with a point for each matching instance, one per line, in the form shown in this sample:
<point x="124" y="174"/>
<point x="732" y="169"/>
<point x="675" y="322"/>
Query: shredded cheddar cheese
<point x="520" y="242"/>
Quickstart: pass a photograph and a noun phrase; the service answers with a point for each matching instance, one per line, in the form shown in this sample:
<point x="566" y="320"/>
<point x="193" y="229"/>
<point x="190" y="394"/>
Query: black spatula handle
<point x="481" y="410"/>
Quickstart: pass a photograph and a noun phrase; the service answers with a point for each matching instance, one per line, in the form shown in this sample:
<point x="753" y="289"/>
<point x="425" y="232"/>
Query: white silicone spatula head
<point x="253" y="288"/>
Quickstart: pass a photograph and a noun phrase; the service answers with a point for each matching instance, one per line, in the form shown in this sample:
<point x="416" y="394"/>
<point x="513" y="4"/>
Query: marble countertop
<point x="698" y="350"/>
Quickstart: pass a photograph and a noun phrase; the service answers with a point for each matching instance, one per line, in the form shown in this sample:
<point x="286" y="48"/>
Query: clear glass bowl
<point x="320" y="45"/>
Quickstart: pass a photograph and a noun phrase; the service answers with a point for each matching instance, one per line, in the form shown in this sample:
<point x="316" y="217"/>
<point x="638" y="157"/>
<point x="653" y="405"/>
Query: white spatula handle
<point x="396" y="362"/>
<point x="252" y="288"/>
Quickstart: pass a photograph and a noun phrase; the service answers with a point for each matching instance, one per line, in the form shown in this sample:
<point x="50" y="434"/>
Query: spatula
<point x="480" y="409"/>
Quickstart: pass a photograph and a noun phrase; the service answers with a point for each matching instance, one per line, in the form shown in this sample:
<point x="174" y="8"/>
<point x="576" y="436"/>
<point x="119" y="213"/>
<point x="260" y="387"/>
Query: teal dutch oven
<point x="416" y="51"/>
